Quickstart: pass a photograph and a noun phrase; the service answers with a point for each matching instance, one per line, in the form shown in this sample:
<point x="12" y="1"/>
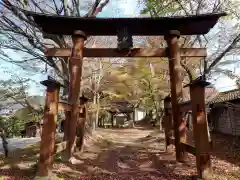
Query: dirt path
<point x="127" y="154"/>
<point x="124" y="154"/>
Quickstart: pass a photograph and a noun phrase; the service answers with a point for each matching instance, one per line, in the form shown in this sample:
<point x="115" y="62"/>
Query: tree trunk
<point x="4" y="142"/>
<point x="112" y="119"/>
<point x="88" y="126"/>
<point x="160" y="120"/>
<point x="94" y="113"/>
<point x="100" y="122"/>
<point x="98" y="109"/>
<point x="103" y="121"/>
<point x="133" y="117"/>
<point x="93" y="122"/>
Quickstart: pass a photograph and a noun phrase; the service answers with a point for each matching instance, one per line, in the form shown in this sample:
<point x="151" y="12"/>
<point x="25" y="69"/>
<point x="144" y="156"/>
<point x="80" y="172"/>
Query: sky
<point x="116" y="8"/>
<point x="121" y="8"/>
<point x="8" y="69"/>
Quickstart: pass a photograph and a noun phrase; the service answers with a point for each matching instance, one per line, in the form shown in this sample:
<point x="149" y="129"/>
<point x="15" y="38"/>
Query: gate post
<point x="167" y="122"/>
<point x="81" y="123"/>
<point x="47" y="144"/>
<point x="176" y="91"/>
<point x="66" y="125"/>
<point x="75" y="67"/>
<point x="200" y="128"/>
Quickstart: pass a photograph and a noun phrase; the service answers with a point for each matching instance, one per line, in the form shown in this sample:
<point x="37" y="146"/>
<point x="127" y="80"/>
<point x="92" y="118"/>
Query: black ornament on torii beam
<point x="124" y="39"/>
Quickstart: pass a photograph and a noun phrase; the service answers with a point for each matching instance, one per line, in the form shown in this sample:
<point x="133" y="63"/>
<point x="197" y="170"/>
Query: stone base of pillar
<point x="71" y="160"/>
<point x="65" y="157"/>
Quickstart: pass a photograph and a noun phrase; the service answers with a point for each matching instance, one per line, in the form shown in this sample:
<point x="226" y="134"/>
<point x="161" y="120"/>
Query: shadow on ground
<point x="143" y="159"/>
<point x="119" y="155"/>
<point x="226" y="148"/>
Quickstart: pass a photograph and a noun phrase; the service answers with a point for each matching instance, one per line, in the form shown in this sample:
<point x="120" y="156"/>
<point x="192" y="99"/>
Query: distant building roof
<point x="226" y="96"/>
<point x="9" y="109"/>
<point x="210" y="93"/>
<point x="121" y="107"/>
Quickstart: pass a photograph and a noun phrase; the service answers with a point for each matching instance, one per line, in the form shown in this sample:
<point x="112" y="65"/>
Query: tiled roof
<point x="210" y="93"/>
<point x="121" y="106"/>
<point x="226" y="96"/>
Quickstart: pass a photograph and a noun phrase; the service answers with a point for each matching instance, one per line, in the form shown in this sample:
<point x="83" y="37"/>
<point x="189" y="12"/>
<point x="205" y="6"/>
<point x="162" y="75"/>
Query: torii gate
<point x="79" y="28"/>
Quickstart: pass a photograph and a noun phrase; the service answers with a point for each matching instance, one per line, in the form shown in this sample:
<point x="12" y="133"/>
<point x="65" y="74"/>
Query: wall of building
<point x="120" y="119"/>
<point x="226" y="119"/>
<point x="139" y="114"/>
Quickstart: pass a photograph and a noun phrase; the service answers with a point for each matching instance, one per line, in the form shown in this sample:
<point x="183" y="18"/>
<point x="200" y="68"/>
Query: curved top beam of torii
<point x="190" y="25"/>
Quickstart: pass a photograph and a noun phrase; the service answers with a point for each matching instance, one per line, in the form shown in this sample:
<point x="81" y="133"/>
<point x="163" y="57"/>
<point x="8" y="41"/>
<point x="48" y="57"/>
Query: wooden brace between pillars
<point x="176" y="92"/>
<point x="47" y="143"/>
<point x="134" y="52"/>
<point x="200" y="129"/>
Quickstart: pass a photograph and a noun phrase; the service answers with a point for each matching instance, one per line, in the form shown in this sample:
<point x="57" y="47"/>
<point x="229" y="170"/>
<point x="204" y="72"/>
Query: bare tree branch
<point x="222" y="54"/>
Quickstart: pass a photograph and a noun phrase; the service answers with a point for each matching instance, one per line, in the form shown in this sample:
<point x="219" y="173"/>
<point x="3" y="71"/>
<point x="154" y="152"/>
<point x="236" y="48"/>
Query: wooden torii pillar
<point x="75" y="67"/>
<point x="47" y="144"/>
<point x="167" y="122"/>
<point x="81" y="123"/>
<point x="176" y="91"/>
<point x="200" y="128"/>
